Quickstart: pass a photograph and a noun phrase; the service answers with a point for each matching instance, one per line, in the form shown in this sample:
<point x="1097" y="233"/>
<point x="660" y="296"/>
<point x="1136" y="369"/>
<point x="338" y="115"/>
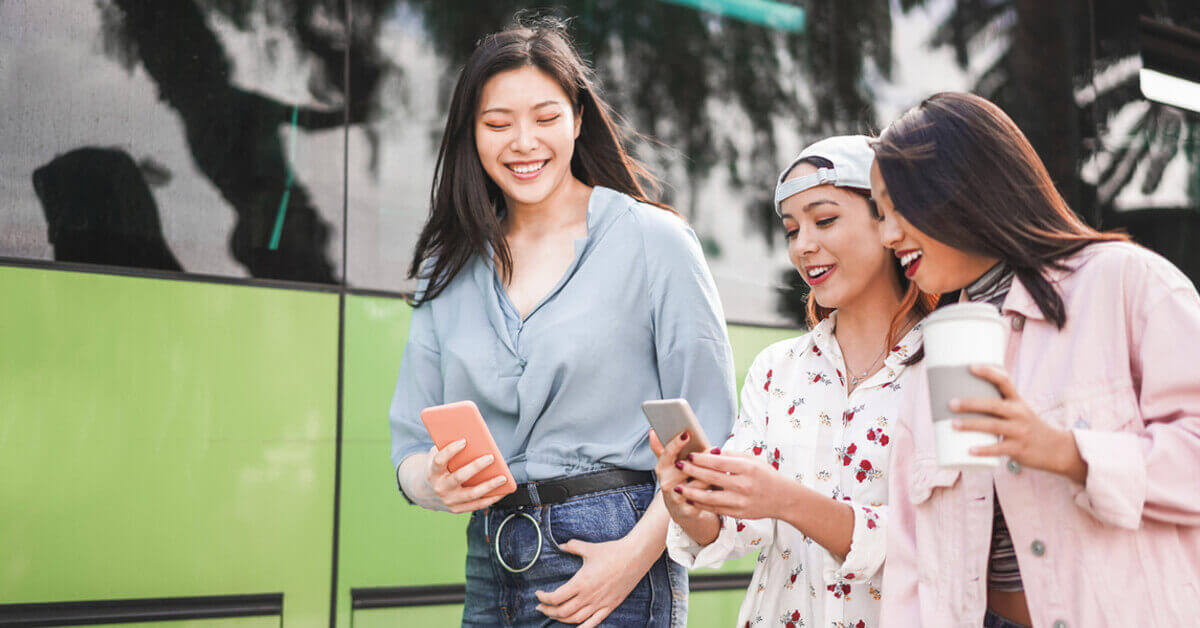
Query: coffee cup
<point x="956" y="337"/>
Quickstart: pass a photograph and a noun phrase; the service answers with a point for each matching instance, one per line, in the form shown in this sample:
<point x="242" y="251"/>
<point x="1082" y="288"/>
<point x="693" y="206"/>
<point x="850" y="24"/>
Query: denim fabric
<point x="496" y="597"/>
<point x="992" y="620"/>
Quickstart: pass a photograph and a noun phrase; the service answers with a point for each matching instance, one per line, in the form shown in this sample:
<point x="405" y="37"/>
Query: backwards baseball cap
<point x="851" y="156"/>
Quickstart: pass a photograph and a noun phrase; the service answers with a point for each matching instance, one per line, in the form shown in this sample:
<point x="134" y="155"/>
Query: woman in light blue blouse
<point x="558" y="298"/>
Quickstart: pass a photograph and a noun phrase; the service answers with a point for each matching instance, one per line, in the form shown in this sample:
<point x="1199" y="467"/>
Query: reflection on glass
<point x="206" y="89"/>
<point x="209" y="135"/>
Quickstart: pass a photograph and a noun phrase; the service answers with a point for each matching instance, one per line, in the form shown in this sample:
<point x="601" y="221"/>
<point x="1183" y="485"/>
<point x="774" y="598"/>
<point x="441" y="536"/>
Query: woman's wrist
<point x="1071" y="462"/>
<point x="790" y="506"/>
<point x="704" y="528"/>
<point x="649" y="535"/>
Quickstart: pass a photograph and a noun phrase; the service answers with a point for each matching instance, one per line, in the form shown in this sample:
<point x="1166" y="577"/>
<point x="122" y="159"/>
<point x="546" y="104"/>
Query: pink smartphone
<point x="462" y="420"/>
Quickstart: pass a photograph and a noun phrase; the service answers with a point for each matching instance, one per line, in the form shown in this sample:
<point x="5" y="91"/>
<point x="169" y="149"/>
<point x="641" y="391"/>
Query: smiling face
<point x="935" y="267"/>
<point x="525" y="132"/>
<point x="833" y="240"/>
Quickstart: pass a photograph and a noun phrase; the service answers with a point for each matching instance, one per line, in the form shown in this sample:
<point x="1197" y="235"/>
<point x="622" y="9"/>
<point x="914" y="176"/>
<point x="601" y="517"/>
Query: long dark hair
<point x="466" y="206"/>
<point x="913" y="300"/>
<point x="960" y="170"/>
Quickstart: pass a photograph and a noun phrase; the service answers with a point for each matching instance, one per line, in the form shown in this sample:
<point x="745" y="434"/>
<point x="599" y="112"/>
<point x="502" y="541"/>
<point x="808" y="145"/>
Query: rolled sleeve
<point x="737" y="538"/>
<point x="868" y="547"/>
<point x="1115" y="489"/>
<point x="1148" y="470"/>
<point x="418" y="386"/>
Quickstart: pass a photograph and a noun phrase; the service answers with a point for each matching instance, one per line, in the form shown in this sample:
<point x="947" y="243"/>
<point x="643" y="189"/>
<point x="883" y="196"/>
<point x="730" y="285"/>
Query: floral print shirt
<point x="796" y="414"/>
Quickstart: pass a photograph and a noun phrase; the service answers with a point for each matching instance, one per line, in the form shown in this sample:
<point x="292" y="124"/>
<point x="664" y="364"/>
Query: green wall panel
<point x="411" y="616"/>
<point x="714" y="609"/>
<point x="385" y="542"/>
<point x="164" y="439"/>
<point x="224" y="622"/>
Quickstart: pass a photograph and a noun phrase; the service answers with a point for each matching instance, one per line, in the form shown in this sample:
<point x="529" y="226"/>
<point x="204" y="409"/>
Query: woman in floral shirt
<point x="802" y="477"/>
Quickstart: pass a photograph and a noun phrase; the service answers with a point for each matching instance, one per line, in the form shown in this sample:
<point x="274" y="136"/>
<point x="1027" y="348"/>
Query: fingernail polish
<point x="715" y="450"/>
<point x="689" y="503"/>
<point x="678" y="465"/>
<point x="689" y="457"/>
<point x="679" y="490"/>
<point x="684" y="437"/>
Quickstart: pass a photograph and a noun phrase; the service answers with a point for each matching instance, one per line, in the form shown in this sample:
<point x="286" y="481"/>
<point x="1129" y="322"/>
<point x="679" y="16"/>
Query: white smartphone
<point x="670" y="417"/>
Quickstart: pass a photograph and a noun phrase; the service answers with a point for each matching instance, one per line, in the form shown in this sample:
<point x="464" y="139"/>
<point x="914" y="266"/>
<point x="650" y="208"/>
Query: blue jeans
<point x="992" y="620"/>
<point x="498" y="597"/>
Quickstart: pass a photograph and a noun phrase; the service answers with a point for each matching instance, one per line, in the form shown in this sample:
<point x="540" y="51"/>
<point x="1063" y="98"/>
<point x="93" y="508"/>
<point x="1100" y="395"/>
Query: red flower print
<point x="896" y="348"/>
<point x="757" y="450"/>
<point x="860" y="624"/>
<point x="849" y="576"/>
<point x="740" y="526"/>
<point x="845" y="461"/>
<point x="839" y="372"/>
<point x="852" y="448"/>
<point x="865" y="464"/>
<point x="860" y="476"/>
<point x="871" y="524"/>
<point x="795" y="615"/>
<point x="767" y="386"/>
<point x="846" y="589"/>
<point x="775" y="458"/>
<point x="816" y="350"/>
<point x="871" y="434"/>
<point x="883" y="439"/>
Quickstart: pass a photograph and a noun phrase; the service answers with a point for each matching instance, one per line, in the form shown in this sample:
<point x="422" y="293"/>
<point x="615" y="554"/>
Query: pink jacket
<point x="1124" y="550"/>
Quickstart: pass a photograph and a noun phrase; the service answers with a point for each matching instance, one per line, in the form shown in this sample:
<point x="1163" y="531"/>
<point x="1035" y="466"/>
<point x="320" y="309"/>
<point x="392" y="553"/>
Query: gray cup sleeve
<point x="956" y="382"/>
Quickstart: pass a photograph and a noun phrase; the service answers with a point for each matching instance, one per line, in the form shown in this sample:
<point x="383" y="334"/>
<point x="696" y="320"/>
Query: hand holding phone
<point x="680" y="434"/>
<point x="465" y="457"/>
<point x="670" y="418"/>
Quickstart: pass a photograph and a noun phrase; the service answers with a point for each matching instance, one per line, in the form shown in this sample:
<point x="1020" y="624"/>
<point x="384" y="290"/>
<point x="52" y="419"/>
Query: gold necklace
<point x="855" y="379"/>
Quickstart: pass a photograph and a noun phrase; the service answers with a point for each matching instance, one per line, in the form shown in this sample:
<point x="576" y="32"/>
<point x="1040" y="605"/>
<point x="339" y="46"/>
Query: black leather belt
<point x="560" y="490"/>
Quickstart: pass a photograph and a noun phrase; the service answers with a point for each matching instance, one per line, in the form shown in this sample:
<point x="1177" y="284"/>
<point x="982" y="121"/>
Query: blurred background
<point x="207" y="209"/>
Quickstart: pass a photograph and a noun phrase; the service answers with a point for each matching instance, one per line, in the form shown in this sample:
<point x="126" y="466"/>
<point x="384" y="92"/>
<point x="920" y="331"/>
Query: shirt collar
<point x="1020" y="301"/>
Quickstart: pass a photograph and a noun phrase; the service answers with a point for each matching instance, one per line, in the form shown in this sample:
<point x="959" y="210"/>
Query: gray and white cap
<point x="851" y="156"/>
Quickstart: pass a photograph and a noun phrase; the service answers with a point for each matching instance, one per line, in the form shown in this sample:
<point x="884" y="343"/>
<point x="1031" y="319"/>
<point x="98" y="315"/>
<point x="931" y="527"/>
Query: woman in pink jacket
<point x="1094" y="519"/>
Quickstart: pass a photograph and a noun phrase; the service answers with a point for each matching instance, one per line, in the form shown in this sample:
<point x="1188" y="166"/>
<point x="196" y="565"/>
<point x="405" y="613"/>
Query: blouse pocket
<point x="928" y="476"/>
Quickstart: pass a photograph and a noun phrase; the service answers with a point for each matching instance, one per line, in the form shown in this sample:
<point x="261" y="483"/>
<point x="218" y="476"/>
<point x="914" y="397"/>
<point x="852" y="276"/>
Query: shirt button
<point x="1038" y="548"/>
<point x="1018" y="322"/>
<point x="523" y="362"/>
<point x="1060" y="624"/>
<point x="1014" y="466"/>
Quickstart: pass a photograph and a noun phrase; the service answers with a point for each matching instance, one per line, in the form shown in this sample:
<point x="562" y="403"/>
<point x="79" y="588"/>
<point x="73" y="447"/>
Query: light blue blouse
<point x="636" y="316"/>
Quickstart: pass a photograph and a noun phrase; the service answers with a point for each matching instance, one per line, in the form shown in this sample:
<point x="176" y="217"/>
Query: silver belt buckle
<point x="536" y="554"/>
